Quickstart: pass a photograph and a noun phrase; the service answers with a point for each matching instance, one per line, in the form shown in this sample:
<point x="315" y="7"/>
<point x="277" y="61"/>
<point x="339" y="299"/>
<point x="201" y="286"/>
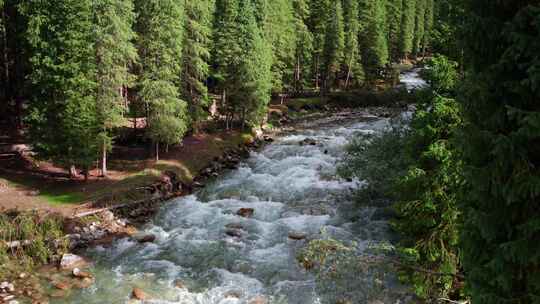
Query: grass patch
<point x="63" y="198"/>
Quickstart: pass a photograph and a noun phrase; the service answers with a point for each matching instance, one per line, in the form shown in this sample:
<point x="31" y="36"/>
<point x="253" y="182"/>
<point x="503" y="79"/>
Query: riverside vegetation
<point x="459" y="178"/>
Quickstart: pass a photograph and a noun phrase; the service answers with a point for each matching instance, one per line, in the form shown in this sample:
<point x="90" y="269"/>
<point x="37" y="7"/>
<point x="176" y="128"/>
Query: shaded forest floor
<point x="26" y="184"/>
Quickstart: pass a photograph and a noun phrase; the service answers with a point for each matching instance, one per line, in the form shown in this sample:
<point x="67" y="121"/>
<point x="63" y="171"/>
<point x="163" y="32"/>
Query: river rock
<point x="61" y="285"/>
<point x="234" y="233"/>
<point x="234" y="226"/>
<point x="144" y="237"/>
<point x="258" y="300"/>
<point x="308" y="142"/>
<point x="80" y="274"/>
<point x="179" y="284"/>
<point x="58" y="294"/>
<point x="70" y="261"/>
<point x="297" y="236"/>
<point x="245" y="212"/>
<point x="138" y="294"/>
<point x="233" y="294"/>
<point x="84" y="283"/>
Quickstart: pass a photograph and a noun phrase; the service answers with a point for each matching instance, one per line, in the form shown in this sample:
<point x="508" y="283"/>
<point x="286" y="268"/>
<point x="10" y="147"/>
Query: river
<point x="221" y="257"/>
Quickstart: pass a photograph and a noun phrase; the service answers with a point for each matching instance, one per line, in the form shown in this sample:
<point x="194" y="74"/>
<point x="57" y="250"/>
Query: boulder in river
<point x="81" y="274"/>
<point x="308" y="142"/>
<point x="144" y="237"/>
<point x="245" y="212"/>
<point x="234" y="226"/>
<point x="138" y="294"/>
<point x="70" y="261"/>
<point x="234" y="233"/>
<point x="258" y="300"/>
<point x="297" y="236"/>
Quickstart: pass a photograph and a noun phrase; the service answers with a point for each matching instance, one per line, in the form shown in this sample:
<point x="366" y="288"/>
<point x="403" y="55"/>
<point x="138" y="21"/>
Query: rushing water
<point x="412" y="80"/>
<point x="293" y="188"/>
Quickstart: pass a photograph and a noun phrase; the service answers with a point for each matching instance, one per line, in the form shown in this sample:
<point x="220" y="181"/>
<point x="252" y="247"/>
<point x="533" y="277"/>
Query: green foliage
<point x="373" y="20"/>
<point x="44" y="234"/>
<point x="160" y="27"/>
<point x="351" y="62"/>
<point x="394" y="11"/>
<point x="500" y="146"/>
<point x="333" y="46"/>
<point x="196" y="57"/>
<point x="407" y="27"/>
<point x="304" y="45"/>
<point x="427" y="210"/>
<point x="419" y="26"/>
<point x="373" y="158"/>
<point x="441" y="74"/>
<point x="63" y="121"/>
<point x="280" y="34"/>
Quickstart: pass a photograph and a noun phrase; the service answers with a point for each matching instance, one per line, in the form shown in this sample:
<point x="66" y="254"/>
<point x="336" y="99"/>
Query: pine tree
<point x="253" y="79"/>
<point x="304" y="44"/>
<point x="196" y="56"/>
<point x="225" y="51"/>
<point x="419" y="29"/>
<point x="428" y="25"/>
<point x="63" y="122"/>
<point x="160" y="27"/>
<point x="395" y="16"/>
<point x="115" y="53"/>
<point x="375" y="48"/>
<point x="279" y="31"/>
<point x="351" y="53"/>
<point x="407" y="28"/>
<point x="333" y="47"/>
<point x="320" y="13"/>
<point x="501" y="148"/>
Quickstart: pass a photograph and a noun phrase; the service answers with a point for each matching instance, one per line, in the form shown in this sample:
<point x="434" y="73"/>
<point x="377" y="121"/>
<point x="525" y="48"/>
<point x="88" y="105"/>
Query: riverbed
<point x="207" y="251"/>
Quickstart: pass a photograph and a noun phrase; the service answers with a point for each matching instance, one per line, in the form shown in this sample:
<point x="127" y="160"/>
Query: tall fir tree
<point x="196" y="57"/>
<point x="253" y="77"/>
<point x="394" y="10"/>
<point x="332" y="55"/>
<point x="279" y="32"/>
<point x="408" y="22"/>
<point x="351" y="53"/>
<point x="304" y="44"/>
<point x="501" y="149"/>
<point x="63" y="122"/>
<point x="320" y="13"/>
<point x="428" y="25"/>
<point x="374" y="35"/>
<point x="419" y="26"/>
<point x="115" y="54"/>
<point x="160" y="28"/>
<point x="226" y="47"/>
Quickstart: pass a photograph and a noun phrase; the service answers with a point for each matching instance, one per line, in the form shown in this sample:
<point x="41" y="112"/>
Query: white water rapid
<point x="292" y="188"/>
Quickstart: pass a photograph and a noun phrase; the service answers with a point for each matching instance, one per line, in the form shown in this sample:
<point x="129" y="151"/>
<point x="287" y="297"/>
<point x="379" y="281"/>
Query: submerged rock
<point x="138" y="294"/>
<point x="80" y="274"/>
<point x="297" y="236"/>
<point x="245" y="212"/>
<point x="70" y="261"/>
<point x="258" y="300"/>
<point x="144" y="237"/>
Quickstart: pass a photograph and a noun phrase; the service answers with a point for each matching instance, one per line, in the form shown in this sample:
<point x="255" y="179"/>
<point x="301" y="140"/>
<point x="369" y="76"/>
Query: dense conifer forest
<point x="75" y="71"/>
<point x="463" y="176"/>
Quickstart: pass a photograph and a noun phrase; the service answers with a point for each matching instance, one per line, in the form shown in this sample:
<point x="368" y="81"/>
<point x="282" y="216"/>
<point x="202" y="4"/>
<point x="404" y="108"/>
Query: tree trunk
<point x="73" y="172"/>
<point x="104" y="160"/>
<point x="349" y="70"/>
<point x="157" y="151"/>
